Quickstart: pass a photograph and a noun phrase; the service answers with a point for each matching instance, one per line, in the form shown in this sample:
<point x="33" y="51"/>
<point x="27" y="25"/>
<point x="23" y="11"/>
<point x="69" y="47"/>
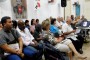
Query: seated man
<point x="11" y="42"/>
<point x="69" y="33"/>
<point x="28" y="39"/>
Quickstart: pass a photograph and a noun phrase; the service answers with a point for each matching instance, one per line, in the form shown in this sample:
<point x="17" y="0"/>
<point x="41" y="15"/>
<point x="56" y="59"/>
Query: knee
<point x="13" y="57"/>
<point x="30" y="51"/>
<point x="68" y="41"/>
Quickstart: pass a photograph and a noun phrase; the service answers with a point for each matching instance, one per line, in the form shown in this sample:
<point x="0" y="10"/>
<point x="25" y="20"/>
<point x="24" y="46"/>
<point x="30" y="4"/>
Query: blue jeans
<point x="13" y="57"/>
<point x="28" y="51"/>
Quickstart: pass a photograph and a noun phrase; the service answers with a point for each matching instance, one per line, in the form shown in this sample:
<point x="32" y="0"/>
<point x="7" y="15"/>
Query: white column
<point x="31" y="12"/>
<point x="73" y="10"/>
<point x="61" y="10"/>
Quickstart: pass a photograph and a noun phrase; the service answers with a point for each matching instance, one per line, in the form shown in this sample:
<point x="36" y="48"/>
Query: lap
<point x="62" y="47"/>
<point x="66" y="41"/>
<point x="29" y="51"/>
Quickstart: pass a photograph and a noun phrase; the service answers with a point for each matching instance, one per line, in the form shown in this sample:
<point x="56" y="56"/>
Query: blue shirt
<point x="54" y="29"/>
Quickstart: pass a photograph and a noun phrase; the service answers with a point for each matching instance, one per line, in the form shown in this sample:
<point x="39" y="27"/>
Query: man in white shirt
<point x="69" y="33"/>
<point x="68" y="30"/>
<point x="28" y="39"/>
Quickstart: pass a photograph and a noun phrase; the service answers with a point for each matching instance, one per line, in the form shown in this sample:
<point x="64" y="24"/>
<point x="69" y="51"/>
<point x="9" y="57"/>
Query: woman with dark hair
<point x="37" y="21"/>
<point x="27" y="24"/>
<point x="53" y="27"/>
<point x="32" y="27"/>
<point x="14" y="24"/>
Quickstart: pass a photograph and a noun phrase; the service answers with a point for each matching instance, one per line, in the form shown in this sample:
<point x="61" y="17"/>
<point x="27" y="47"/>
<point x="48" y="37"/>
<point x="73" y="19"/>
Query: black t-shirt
<point x="36" y="35"/>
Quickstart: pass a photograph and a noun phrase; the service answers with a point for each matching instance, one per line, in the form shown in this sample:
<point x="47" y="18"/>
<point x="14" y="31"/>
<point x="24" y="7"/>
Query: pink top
<point x="32" y="28"/>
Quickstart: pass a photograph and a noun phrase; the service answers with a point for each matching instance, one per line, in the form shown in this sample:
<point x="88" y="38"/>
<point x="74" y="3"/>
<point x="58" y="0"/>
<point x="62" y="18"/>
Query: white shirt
<point x="68" y="28"/>
<point x="26" y="36"/>
<point x="59" y="23"/>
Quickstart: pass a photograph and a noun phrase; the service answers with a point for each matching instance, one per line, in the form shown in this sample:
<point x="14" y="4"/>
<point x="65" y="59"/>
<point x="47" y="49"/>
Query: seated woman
<point x="60" y="44"/>
<point x="53" y="28"/>
<point x="32" y="27"/>
<point x="14" y="24"/>
<point x="27" y="24"/>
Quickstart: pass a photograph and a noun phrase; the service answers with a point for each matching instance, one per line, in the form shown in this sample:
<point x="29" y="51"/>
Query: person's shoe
<point x="80" y="51"/>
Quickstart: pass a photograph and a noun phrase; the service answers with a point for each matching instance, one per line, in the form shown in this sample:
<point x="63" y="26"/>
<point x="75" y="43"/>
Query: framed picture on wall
<point x="19" y="9"/>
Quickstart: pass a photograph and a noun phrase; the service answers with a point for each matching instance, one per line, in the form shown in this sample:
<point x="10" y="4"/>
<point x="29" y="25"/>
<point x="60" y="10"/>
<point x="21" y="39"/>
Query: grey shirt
<point x="8" y="37"/>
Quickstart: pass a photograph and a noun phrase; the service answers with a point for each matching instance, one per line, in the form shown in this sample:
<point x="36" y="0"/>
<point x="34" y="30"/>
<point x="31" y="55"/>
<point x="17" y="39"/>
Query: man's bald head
<point x="58" y="18"/>
<point x="20" y="23"/>
<point x="69" y="20"/>
<point x="61" y="18"/>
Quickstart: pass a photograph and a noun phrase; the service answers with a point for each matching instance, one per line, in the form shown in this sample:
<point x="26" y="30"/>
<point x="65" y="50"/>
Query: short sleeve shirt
<point x="67" y="28"/>
<point x="8" y="37"/>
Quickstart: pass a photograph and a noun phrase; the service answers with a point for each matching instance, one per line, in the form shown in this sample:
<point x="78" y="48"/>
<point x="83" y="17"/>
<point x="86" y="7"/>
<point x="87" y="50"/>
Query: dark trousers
<point x="78" y="43"/>
<point x="29" y="52"/>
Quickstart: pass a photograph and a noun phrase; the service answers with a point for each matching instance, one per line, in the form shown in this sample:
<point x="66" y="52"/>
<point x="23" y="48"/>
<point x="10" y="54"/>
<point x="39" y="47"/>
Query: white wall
<point x="31" y="9"/>
<point x="87" y="9"/>
<point x="68" y="9"/>
<point x="45" y="11"/>
<point x="5" y="8"/>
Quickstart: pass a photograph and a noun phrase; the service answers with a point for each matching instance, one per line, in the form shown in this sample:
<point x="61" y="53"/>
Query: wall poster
<point x="19" y="9"/>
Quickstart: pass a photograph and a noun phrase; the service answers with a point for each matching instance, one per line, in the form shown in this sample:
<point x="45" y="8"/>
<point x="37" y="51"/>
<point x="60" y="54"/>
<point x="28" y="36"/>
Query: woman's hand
<point x="58" y="40"/>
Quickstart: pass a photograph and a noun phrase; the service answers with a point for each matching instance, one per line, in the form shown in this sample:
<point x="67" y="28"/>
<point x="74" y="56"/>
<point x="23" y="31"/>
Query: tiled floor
<point x="86" y="50"/>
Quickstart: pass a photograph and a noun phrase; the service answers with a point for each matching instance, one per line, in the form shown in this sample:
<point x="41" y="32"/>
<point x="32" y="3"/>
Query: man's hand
<point x="22" y="55"/>
<point x="73" y="31"/>
<point x="35" y="43"/>
<point x="19" y="52"/>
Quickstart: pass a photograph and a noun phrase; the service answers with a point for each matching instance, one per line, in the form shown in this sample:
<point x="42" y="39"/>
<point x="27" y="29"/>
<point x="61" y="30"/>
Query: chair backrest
<point x="52" y="53"/>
